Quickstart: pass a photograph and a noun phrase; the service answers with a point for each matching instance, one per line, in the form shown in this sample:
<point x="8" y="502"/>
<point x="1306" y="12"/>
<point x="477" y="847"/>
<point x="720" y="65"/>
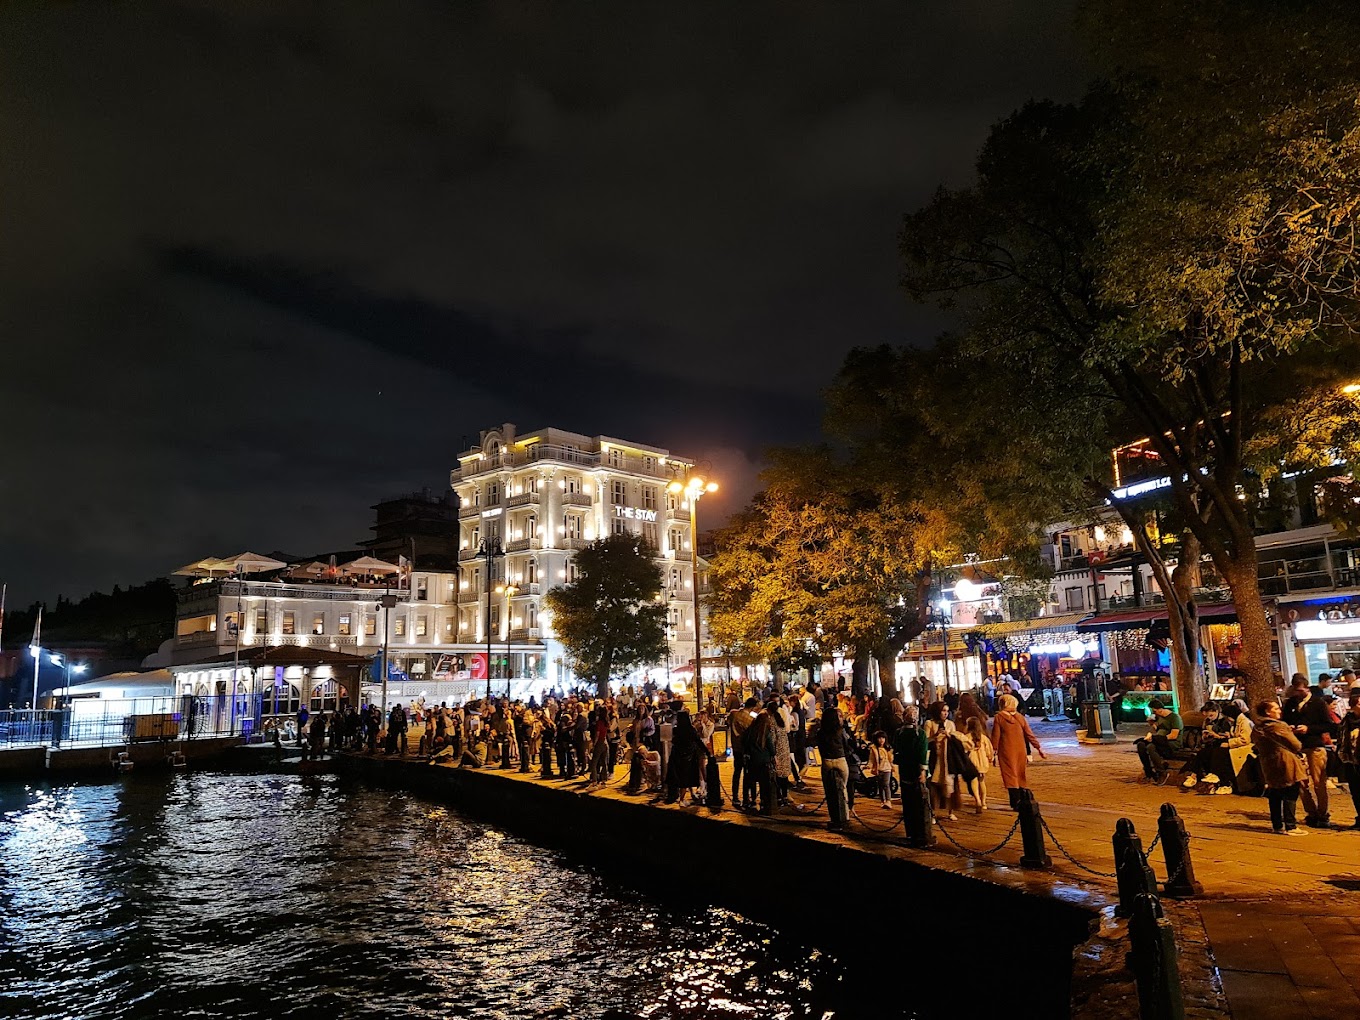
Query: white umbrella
<point x="209" y="566"/>
<point x="370" y="565"/>
<point x="252" y="563"/>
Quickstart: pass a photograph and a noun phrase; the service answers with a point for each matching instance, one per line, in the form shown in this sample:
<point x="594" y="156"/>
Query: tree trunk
<point x="887" y="673"/>
<point x="859" y="674"/>
<point x="1183" y="621"/>
<point x="1256" y="637"/>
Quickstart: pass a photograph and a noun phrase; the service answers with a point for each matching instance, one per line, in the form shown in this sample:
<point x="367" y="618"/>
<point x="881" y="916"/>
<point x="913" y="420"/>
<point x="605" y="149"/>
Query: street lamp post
<point x="511" y="590"/>
<point x="387" y="603"/>
<point x="490" y="549"/>
<point x="76" y="668"/>
<point x="694" y="487"/>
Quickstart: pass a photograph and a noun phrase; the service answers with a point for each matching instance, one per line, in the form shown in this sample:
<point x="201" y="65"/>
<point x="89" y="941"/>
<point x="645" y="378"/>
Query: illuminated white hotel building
<point x="544" y="495"/>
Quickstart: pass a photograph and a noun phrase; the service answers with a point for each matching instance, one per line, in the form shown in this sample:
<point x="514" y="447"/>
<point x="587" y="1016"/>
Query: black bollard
<point x="545" y="759"/>
<point x="1180" y="870"/>
<point x="1032" y="832"/>
<point x="635" y="771"/>
<point x="917" y="816"/>
<point x="524" y="756"/>
<point x="1152" y="958"/>
<point x="713" y="783"/>
<point x="1132" y="873"/>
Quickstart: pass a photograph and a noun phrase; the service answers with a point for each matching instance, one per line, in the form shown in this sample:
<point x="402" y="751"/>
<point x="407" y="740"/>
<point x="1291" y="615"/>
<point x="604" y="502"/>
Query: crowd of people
<point x="1299" y="746"/>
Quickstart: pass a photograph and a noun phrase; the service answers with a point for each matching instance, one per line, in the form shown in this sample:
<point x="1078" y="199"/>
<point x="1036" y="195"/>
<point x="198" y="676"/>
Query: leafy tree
<point x="822" y="561"/>
<point x="1177" y="252"/>
<point x="611" y="618"/>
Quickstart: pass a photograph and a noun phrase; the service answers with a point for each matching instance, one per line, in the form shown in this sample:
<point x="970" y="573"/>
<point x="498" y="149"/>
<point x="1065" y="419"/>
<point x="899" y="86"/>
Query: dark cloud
<point x="261" y="265"/>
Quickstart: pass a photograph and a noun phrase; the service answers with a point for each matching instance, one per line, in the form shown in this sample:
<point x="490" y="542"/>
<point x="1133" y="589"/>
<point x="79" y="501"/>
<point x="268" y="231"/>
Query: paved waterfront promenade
<point x="1281" y="917"/>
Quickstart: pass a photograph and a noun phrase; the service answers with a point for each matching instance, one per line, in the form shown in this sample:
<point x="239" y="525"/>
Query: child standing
<point x="881" y="766"/>
<point x="981" y="753"/>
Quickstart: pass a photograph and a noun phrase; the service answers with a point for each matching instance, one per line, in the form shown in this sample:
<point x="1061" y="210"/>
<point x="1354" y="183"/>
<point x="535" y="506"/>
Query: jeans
<point x="885" y="786"/>
<point x="1282" y="800"/>
<point x="1152" y="752"/>
<point x="1315" y="801"/>
<point x="739" y="766"/>
<point x="835" y="775"/>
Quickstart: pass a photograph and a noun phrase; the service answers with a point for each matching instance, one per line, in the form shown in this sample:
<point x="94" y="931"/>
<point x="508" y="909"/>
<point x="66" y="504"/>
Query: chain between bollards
<point x="980" y="853"/>
<point x="1063" y="850"/>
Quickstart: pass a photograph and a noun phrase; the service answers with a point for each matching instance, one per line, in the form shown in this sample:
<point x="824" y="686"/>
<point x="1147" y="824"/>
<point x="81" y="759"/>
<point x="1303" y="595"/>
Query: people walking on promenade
<point x="759" y="744"/>
<point x="1279" y="751"/>
<point x="1350" y="751"/>
<point x="939" y="731"/>
<point x="835" y="774"/>
<point x="1163" y="739"/>
<point x="981" y="754"/>
<point x="688" y="755"/>
<point x="1308" y="715"/>
<point x="737" y="724"/>
<point x="782" y="765"/>
<point x="566" y="745"/>
<point x="599" y="745"/>
<point x="1012" y="738"/>
<point x="881" y="767"/>
<point x="396" y="730"/>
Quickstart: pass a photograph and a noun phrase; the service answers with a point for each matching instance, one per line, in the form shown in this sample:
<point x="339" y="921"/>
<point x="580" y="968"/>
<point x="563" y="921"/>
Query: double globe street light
<point x="694" y="488"/>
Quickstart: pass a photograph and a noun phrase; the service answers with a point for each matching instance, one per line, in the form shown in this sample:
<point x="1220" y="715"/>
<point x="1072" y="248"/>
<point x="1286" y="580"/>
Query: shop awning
<point x="1039" y="625"/>
<point x="1143" y="617"/>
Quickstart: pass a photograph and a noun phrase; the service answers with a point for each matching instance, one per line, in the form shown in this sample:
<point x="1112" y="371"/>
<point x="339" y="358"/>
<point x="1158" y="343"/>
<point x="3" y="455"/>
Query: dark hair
<point x="937" y="711"/>
<point x="1210" y="706"/>
<point x="877" y="734"/>
<point x="1262" y="707"/>
<point x="1232" y="710"/>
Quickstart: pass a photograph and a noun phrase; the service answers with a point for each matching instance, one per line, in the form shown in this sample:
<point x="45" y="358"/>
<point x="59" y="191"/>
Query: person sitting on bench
<point x="1162" y="742"/>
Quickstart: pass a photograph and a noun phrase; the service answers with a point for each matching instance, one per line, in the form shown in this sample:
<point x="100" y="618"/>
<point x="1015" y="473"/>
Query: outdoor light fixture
<point x="966" y="590"/>
<point x="694" y="488"/>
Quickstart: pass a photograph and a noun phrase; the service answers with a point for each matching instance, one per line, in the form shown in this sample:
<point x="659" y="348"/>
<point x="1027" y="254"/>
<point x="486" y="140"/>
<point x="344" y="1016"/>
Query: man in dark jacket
<point x="1310" y="717"/>
<point x="835" y="770"/>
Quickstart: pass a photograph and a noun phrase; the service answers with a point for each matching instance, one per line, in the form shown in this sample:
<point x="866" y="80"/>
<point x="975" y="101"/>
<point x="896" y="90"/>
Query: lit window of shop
<point x="343" y="627"/>
<point x="289" y="623"/>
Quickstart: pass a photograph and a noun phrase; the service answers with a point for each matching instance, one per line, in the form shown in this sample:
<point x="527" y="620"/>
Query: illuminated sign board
<point x="1138" y="489"/>
<point x="633" y="513"/>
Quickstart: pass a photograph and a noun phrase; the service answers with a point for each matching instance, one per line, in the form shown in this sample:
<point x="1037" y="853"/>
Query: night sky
<point x="263" y="264"/>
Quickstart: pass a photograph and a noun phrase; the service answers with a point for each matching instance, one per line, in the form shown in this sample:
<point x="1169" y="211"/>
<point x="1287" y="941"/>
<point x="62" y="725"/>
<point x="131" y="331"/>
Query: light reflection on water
<point x="203" y="895"/>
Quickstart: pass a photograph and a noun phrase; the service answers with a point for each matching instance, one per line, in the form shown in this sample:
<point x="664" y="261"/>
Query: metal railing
<point x="106" y="723"/>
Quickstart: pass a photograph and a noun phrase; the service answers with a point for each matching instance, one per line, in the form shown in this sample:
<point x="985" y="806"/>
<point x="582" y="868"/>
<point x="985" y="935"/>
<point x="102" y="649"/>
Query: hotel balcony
<point x="469" y="511"/>
<point x="522" y="634"/>
<point x="521" y="544"/>
<point x="574" y="543"/>
<point x="523" y="499"/>
<point x="467" y="554"/>
<point x="679" y="513"/>
<point x="577" y="499"/>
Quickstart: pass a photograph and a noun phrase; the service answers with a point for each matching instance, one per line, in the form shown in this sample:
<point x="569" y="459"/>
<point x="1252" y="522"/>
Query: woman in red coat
<point x="1012" y="738"/>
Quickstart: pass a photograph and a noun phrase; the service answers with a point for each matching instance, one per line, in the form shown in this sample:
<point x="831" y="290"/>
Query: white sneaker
<point x="1222" y="791"/>
<point x="1332" y="784"/>
<point x="1211" y="779"/>
<point x="1296" y="832"/>
<point x="1190" y="783"/>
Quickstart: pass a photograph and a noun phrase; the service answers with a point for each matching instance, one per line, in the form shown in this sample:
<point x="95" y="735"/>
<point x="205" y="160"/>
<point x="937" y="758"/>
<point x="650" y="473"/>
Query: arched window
<point x="533" y="615"/>
<point x="531" y="527"/>
<point x="533" y="571"/>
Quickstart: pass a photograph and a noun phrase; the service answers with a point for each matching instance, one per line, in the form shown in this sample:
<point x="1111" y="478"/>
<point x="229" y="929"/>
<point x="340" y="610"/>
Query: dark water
<point x="205" y="895"/>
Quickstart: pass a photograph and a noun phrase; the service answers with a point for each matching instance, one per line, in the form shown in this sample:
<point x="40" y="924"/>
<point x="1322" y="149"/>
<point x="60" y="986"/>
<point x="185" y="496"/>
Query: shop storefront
<point x="1138" y="648"/>
<point x="1047" y="654"/>
<point x="1320" y="636"/>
